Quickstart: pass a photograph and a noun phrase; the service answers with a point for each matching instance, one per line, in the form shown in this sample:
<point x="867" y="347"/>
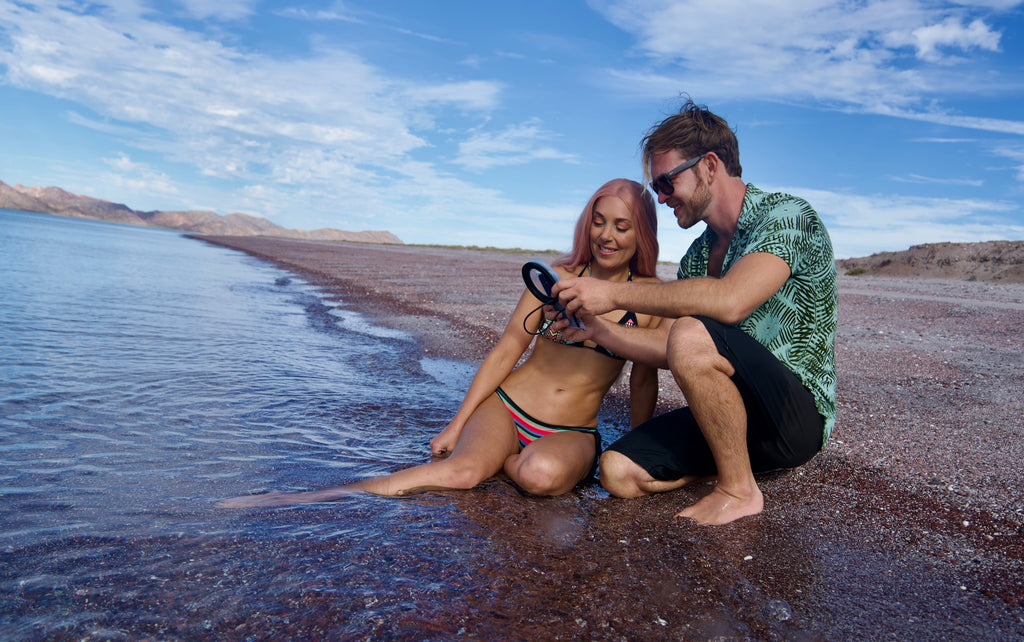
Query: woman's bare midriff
<point x="562" y="385"/>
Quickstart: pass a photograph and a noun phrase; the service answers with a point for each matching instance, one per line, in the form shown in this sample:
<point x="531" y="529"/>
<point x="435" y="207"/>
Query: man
<point x="752" y="344"/>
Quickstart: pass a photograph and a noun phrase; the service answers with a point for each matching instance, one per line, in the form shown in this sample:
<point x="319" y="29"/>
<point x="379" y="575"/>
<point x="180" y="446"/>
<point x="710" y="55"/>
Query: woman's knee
<point x="543" y="473"/>
<point x="464" y="475"/>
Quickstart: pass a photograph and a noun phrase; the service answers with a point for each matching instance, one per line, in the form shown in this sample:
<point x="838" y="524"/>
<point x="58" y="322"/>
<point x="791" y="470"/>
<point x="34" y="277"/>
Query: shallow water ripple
<point x="135" y="396"/>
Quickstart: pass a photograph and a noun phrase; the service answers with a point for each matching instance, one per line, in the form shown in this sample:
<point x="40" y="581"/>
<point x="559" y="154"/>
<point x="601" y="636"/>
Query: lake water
<point x="143" y="377"/>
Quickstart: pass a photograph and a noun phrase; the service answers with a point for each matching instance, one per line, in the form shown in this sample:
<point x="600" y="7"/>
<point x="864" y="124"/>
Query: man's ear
<point x="712" y="165"/>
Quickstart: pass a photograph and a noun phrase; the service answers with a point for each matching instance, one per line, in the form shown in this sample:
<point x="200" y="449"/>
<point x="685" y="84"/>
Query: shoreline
<point x="921" y="479"/>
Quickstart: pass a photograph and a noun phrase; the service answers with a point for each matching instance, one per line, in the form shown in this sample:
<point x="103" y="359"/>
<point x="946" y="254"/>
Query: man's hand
<point x="584" y="296"/>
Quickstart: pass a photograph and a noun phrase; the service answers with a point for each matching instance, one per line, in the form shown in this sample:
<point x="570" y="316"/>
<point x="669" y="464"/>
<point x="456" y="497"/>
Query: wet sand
<point x="910" y="523"/>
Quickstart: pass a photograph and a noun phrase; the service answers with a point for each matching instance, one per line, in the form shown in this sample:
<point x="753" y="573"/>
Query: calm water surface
<point x="144" y="376"/>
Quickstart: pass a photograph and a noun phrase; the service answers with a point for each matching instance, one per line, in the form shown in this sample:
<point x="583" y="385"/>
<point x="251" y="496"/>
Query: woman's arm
<point x="494" y="369"/>
<point x="643" y="393"/>
<point x="637" y="344"/>
<point x="643" y="383"/>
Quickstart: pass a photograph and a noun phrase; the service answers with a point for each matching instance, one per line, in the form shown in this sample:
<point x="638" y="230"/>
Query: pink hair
<point x="645" y="223"/>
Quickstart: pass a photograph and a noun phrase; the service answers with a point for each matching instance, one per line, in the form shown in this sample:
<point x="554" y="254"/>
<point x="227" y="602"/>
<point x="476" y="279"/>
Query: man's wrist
<point x="616" y="295"/>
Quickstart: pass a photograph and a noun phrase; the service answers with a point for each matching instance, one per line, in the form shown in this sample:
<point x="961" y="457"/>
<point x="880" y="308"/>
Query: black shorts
<point x="784" y="428"/>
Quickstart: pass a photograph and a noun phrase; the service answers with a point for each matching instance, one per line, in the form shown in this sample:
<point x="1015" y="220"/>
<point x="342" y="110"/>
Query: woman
<point x="538" y="422"/>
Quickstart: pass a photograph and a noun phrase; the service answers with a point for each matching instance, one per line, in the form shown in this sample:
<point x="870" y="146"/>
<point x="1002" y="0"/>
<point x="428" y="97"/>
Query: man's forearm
<point x="642" y="345"/>
<point x="750" y="282"/>
<point x="670" y="299"/>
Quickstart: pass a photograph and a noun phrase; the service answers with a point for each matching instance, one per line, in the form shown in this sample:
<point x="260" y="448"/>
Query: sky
<point x="488" y="123"/>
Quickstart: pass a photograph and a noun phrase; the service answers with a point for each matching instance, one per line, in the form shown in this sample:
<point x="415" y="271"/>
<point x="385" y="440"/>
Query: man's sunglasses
<point x="663" y="184"/>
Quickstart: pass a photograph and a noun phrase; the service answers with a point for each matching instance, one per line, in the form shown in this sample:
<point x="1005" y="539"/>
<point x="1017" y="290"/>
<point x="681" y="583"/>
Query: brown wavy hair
<point x="693" y="131"/>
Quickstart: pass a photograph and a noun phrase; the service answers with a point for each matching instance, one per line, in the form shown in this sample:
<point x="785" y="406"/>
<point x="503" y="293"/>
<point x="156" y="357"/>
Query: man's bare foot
<point x="277" y="498"/>
<point x="721" y="507"/>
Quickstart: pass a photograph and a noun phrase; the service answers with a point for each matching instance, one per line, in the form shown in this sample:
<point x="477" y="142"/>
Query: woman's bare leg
<point x="488" y="439"/>
<point x="485" y="443"/>
<point x="553" y="464"/>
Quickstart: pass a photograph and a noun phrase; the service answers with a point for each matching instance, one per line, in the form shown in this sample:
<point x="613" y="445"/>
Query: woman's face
<point x="612" y="233"/>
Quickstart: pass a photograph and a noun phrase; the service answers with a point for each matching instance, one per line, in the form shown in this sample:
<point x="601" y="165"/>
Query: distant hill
<point x="53" y="200"/>
<point x="992" y="261"/>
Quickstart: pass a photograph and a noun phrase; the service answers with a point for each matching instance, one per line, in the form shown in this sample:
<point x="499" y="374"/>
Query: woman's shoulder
<point x="563" y="270"/>
<point x="566" y="271"/>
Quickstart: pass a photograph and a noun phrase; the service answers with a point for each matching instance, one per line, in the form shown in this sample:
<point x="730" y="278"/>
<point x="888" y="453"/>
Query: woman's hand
<point x="444" y="443"/>
<point x="560" y="324"/>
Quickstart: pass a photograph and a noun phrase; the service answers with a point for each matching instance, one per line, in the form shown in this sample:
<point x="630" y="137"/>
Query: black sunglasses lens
<point x="663" y="185"/>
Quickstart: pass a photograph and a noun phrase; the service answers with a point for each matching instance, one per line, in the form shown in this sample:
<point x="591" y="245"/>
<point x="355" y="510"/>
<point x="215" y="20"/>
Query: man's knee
<point x="620" y="475"/>
<point x="692" y="351"/>
<point x="687" y="337"/>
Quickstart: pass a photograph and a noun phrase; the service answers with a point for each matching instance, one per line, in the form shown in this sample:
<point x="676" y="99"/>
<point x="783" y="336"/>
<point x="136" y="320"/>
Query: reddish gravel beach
<point x="909" y="524"/>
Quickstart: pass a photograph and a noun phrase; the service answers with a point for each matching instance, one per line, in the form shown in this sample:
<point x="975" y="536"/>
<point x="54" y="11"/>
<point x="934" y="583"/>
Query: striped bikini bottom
<point x="529" y="429"/>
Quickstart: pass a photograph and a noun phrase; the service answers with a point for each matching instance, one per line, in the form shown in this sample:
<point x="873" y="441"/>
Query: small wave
<point x="357" y="322"/>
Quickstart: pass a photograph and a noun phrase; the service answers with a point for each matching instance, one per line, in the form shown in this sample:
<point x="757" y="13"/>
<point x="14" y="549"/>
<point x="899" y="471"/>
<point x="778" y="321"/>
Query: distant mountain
<point x="53" y="200"/>
<point x="990" y="261"/>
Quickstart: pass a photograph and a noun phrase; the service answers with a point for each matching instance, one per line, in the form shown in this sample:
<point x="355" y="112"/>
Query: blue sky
<point x="490" y="123"/>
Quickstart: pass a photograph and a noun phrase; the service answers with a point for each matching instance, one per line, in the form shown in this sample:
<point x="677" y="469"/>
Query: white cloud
<point x="324" y="15"/>
<point x="515" y="145"/>
<point x="126" y="131"/>
<point x="474" y="94"/>
<point x="49" y="75"/>
<point x="952" y="33"/>
<point x="219" y="9"/>
<point x="138" y="179"/>
<point x="967" y="122"/>
<point x="878" y="56"/>
<point x="326" y="125"/>
<point x="928" y="180"/>
<point x="861" y="225"/>
<point x="944" y="141"/>
<point x="1015" y="154"/>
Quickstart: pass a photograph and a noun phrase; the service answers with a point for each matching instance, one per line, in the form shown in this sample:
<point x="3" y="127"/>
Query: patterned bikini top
<point x="545" y="331"/>
<point x="628" y="318"/>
